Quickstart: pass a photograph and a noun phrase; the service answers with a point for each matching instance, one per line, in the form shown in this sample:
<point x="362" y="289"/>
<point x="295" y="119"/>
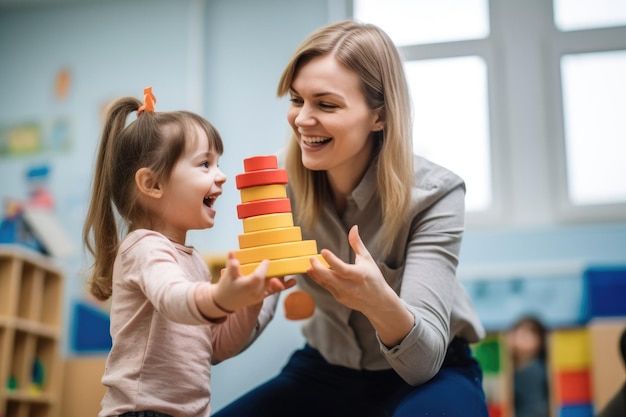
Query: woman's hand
<point x="361" y="286"/>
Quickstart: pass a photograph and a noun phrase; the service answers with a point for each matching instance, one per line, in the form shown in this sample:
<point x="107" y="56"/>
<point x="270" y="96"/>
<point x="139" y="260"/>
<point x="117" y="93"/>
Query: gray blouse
<point x="421" y="268"/>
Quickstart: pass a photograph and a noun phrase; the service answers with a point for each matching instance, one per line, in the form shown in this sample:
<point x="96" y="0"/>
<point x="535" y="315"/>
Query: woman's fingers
<point x="335" y="263"/>
<point x="356" y="243"/>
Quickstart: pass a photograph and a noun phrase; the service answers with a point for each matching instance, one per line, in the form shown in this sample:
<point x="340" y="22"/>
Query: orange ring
<point x="262" y="177"/>
<point x="261" y="207"/>
<point x="257" y="163"/>
<point x="298" y="305"/>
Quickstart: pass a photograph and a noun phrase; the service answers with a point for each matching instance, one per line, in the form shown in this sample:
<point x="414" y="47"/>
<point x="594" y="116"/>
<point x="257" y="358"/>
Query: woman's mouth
<point x="315" y="140"/>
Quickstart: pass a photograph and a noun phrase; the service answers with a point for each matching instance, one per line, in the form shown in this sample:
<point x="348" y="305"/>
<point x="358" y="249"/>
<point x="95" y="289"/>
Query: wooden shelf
<point x="31" y="291"/>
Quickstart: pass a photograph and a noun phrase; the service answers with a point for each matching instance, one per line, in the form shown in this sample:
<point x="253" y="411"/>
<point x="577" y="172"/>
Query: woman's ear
<point x="379" y="122"/>
<point x="147" y="183"/>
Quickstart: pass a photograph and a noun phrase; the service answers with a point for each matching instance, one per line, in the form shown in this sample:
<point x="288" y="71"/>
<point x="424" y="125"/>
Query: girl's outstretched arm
<point x="234" y="291"/>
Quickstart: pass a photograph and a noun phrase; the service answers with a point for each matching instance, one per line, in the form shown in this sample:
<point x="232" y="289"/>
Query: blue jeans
<point x="310" y="386"/>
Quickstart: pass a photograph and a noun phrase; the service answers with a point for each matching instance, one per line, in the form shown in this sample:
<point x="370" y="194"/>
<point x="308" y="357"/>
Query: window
<point x="594" y="111"/>
<point x="588" y="14"/>
<point x="451" y="113"/>
<point x="530" y="96"/>
<point x="589" y="54"/>
<point x="410" y="22"/>
<point x="449" y="86"/>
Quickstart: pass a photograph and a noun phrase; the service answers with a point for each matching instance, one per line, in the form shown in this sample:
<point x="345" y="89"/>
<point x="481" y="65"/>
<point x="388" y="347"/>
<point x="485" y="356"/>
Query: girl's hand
<point x="234" y="291"/>
<point x="360" y="286"/>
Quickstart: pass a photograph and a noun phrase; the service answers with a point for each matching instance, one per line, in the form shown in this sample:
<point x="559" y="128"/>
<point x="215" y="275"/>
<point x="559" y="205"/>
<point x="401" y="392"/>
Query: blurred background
<point x="526" y="100"/>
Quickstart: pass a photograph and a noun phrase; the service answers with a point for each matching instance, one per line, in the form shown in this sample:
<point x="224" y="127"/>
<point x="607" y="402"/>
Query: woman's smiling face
<point x="331" y="119"/>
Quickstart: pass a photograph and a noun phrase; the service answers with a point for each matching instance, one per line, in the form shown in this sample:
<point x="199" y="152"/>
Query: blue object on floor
<point x="90" y="330"/>
<point x="582" y="410"/>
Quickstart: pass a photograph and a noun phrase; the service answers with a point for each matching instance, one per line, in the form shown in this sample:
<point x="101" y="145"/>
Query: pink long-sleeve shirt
<point x="163" y="347"/>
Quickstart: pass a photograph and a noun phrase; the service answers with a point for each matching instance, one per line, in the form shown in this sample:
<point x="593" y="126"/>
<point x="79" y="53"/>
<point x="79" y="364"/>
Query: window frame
<point x="523" y="197"/>
<point x="571" y="43"/>
<point x="484" y="49"/>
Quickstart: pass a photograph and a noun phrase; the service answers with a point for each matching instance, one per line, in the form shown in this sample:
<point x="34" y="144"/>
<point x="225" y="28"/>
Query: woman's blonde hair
<point x="155" y="140"/>
<point x="370" y="53"/>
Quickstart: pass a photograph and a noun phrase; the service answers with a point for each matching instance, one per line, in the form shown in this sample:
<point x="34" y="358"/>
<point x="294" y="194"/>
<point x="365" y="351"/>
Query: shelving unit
<point x="584" y="368"/>
<point x="31" y="291"/>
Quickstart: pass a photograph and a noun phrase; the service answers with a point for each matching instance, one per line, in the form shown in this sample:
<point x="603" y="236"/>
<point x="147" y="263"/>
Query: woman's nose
<point x="304" y="116"/>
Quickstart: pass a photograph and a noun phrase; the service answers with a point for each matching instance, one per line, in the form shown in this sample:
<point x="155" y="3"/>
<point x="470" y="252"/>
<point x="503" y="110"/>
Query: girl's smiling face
<point x="190" y="192"/>
<point x="331" y="119"/>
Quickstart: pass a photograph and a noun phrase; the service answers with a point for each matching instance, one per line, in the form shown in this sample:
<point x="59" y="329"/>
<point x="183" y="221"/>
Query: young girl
<point x="157" y="178"/>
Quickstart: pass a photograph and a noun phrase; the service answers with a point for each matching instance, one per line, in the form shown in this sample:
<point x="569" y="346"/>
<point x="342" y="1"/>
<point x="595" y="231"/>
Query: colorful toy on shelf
<point x="40" y="196"/>
<point x="571" y="371"/>
<point x="33" y="223"/>
<point x="269" y="231"/>
<point x="37" y="381"/>
<point x="12" y="383"/>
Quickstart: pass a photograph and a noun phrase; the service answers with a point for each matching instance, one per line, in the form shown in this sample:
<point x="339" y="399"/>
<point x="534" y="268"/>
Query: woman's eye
<point x="296" y="101"/>
<point x="328" y="106"/>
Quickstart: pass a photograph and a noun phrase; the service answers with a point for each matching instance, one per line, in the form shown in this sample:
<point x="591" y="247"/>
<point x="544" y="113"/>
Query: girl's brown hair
<point x="370" y="53"/>
<point x="155" y="140"/>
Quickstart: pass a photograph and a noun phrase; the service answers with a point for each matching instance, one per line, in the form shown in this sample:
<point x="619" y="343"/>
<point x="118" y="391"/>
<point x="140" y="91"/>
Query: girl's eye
<point x="296" y="101"/>
<point x="205" y="164"/>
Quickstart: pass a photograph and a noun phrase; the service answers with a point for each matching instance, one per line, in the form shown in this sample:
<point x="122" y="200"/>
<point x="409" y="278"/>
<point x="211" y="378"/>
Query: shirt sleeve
<point x="230" y="337"/>
<point x="251" y="327"/>
<point x="152" y="267"/>
<point x="428" y="286"/>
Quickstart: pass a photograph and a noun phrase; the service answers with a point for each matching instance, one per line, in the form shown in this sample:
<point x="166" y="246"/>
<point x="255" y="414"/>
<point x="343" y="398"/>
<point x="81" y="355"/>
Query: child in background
<point x="156" y="179"/>
<point x="527" y="345"/>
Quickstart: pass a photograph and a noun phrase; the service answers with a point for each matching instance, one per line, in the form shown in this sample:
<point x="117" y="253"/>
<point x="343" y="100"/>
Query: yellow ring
<point x="269" y="237"/>
<point x="277" y="251"/>
<point x="263" y="192"/>
<point x="284" y="267"/>
<point x="267" y="221"/>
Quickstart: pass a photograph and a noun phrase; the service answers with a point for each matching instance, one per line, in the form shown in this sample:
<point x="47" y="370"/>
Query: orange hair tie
<point x="148" y="101"/>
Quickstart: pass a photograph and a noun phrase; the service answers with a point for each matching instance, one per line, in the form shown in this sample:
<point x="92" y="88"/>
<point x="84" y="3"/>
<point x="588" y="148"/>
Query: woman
<point x="392" y="322"/>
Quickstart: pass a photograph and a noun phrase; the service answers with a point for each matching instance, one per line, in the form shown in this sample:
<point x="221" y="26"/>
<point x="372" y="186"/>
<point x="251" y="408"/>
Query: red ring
<point x="262" y="177"/>
<point x="257" y="163"/>
<point x="261" y="207"/>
